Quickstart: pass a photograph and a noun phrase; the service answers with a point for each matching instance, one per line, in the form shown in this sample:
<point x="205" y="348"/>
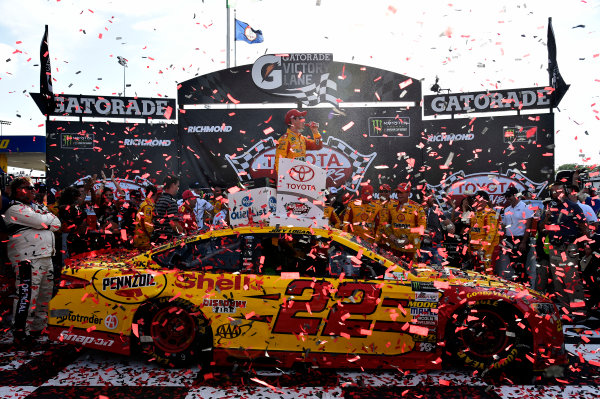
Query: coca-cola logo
<point x="301" y="173"/>
<point x="296" y="208"/>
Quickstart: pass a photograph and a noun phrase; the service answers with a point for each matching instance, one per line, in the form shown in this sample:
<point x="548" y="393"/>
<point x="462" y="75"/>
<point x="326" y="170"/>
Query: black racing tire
<point x="174" y="333"/>
<point x="488" y="337"/>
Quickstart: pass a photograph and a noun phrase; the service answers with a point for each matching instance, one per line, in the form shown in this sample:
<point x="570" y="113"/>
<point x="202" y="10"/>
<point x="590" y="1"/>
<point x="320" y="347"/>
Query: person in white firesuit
<point x="30" y="250"/>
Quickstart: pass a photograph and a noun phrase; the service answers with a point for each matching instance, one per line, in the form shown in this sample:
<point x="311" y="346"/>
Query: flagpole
<point x="228" y="30"/>
<point x="234" y="43"/>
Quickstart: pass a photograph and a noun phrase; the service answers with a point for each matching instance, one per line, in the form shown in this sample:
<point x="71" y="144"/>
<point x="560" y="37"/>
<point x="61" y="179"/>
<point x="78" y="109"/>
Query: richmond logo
<point x="342" y="163"/>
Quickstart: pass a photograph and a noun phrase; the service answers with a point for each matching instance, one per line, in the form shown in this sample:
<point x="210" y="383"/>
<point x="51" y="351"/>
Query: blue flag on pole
<point x="244" y="32"/>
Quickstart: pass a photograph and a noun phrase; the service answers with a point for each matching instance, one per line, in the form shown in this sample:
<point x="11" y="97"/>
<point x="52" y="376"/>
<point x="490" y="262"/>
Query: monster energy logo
<point x="377" y="124"/>
<point x="77" y="140"/>
<point x="396" y="126"/>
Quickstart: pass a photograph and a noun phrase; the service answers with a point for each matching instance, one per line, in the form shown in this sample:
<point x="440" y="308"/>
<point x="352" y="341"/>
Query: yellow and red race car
<point x="281" y="296"/>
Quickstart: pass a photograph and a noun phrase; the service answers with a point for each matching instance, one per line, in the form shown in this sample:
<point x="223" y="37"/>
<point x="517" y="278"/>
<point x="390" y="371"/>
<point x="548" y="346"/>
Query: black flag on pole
<point x="46" y="75"/>
<point x="556" y="81"/>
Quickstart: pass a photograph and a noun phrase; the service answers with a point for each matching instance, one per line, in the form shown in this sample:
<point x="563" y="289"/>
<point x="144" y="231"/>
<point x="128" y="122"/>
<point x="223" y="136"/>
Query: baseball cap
<point x="293" y="113"/>
<point x="367" y="188"/>
<point x="187" y="194"/>
<point x="385" y="187"/>
<point x="512" y="190"/>
<point x="403" y="187"/>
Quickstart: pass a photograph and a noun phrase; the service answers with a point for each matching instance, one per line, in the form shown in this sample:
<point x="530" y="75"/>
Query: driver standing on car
<point x="293" y="144"/>
<point x="30" y="250"/>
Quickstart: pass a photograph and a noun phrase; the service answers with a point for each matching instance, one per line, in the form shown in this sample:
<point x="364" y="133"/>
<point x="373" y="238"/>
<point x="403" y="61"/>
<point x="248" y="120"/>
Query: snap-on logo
<point x="301" y="173"/>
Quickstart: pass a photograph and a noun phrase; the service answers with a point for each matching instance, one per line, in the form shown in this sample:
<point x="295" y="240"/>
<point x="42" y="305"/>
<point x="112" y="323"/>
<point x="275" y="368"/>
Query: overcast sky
<point x="470" y="45"/>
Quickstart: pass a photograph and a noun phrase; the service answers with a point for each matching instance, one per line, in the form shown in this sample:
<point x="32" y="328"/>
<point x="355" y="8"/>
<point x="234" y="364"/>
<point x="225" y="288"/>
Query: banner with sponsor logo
<point x="299" y="78"/>
<point x="239" y="144"/>
<point x="109" y="107"/>
<point x="484" y="101"/>
<point x="137" y="152"/>
<point x="462" y="156"/>
<point x="300" y="194"/>
<point x="251" y="206"/>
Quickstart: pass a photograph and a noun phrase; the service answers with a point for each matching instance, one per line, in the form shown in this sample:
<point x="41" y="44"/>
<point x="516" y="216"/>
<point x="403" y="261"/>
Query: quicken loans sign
<point x="501" y="100"/>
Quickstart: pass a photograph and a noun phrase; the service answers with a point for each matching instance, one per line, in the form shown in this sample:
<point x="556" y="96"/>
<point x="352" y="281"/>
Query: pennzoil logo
<point x="128" y="281"/>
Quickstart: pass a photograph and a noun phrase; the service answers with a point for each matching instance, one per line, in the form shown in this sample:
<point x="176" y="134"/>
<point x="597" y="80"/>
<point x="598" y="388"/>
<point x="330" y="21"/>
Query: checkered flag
<point x="360" y="162"/>
<point x="440" y="191"/>
<point x="313" y="94"/>
<point x="242" y="163"/>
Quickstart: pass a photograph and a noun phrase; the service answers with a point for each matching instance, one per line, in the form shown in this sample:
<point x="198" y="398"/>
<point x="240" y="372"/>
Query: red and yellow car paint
<point x="404" y="319"/>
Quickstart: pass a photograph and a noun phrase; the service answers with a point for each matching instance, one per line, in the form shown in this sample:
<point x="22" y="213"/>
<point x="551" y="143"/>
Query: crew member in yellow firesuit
<point x="385" y="192"/>
<point x="484" y="235"/>
<point x="362" y="217"/>
<point x="329" y="212"/>
<point x="404" y="224"/>
<point x="293" y="144"/>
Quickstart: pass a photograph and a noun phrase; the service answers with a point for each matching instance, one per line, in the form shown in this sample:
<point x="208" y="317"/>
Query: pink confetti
<point x="441" y="284"/>
<point x="348" y="126"/>
<point x="268" y="130"/>
<point x="168" y="112"/>
<point x="233" y="100"/>
<point x="406" y="83"/>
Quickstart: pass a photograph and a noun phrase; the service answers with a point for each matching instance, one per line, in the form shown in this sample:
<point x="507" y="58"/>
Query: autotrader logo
<point x="301" y="173"/>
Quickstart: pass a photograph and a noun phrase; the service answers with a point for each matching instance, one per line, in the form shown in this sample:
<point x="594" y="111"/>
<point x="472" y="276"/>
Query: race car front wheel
<point x="489" y="337"/>
<point x="174" y="333"/>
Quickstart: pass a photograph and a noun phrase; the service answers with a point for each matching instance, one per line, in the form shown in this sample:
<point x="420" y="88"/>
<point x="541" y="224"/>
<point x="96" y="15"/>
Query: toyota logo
<point x="301" y="173"/>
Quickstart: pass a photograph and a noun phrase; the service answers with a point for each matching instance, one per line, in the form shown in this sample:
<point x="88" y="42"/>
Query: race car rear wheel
<point x="174" y="333"/>
<point x="489" y="337"/>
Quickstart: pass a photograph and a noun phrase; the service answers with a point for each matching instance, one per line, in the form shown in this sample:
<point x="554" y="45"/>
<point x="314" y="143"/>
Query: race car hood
<point x="471" y="281"/>
<point x="102" y="258"/>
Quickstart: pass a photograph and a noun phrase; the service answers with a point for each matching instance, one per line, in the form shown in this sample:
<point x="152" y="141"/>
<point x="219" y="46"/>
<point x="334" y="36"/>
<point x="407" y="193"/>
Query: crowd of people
<point x="552" y="247"/>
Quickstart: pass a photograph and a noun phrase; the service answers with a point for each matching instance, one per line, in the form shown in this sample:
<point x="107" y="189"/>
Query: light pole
<point x="123" y="61"/>
<point x="2" y="123"/>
